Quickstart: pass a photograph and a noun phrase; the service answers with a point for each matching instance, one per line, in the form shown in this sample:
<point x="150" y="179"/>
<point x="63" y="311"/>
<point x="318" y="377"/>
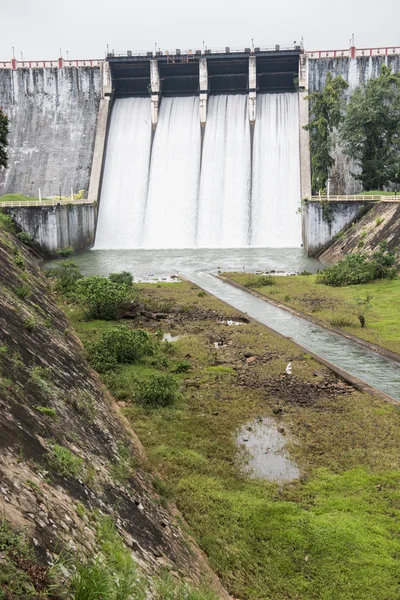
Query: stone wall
<point x="55" y="227"/>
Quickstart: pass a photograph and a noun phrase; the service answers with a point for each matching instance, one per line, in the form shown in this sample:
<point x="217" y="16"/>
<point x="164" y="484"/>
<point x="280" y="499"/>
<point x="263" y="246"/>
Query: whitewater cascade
<point x="232" y="187"/>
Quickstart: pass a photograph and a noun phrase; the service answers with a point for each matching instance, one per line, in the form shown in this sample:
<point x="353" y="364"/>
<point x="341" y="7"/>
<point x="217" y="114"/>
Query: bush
<point x="6" y="222"/>
<point x="65" y="252"/>
<point x="257" y="281"/>
<point x="120" y="345"/>
<point x="359" y="268"/>
<point x="341" y="322"/>
<point x="30" y="324"/>
<point x="67" y="274"/>
<point x="157" y="390"/>
<point x="19" y="262"/>
<point x="182" y="366"/>
<point x="102" y="297"/>
<point x="25" y="238"/>
<point x="23" y="292"/>
<point x="123" y="278"/>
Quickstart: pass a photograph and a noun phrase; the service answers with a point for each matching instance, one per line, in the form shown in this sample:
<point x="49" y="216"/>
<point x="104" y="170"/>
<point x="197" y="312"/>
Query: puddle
<point x="168" y="337"/>
<point x="263" y="448"/>
<point x="230" y="322"/>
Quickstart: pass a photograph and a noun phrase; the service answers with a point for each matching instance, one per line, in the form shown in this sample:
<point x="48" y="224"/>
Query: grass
<point x="328" y="304"/>
<point x="64" y="462"/>
<point x="18" y="198"/>
<point x="375" y="193"/>
<point x="331" y="535"/>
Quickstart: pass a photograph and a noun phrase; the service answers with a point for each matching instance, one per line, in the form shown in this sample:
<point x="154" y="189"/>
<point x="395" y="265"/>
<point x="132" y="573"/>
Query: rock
<point x="251" y="359"/>
<point x="247" y="354"/>
<point x="281" y="430"/>
<point x="277" y="410"/>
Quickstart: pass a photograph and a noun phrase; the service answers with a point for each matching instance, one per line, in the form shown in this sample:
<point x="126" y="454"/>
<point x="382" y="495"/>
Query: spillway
<point x="231" y="185"/>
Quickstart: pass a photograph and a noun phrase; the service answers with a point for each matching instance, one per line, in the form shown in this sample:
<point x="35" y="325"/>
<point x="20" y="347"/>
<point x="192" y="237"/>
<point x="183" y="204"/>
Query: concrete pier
<point x="155" y="92"/>
<point x="304" y="137"/>
<point x="203" y="76"/>
<point x="252" y="88"/>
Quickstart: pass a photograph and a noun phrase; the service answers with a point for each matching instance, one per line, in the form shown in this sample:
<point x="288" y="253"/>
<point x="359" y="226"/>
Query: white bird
<point x="288" y="369"/>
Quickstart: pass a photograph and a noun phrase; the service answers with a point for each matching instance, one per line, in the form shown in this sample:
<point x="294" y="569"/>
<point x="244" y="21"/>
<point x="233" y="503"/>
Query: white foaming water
<point x="275" y="220"/>
<point x="124" y="190"/>
<point x="224" y="200"/>
<point x="168" y="196"/>
<point x="174" y="176"/>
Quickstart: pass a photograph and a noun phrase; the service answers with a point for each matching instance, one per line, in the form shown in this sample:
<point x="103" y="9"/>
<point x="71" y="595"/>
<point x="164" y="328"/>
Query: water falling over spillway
<point x="125" y="179"/>
<point x="232" y="185"/>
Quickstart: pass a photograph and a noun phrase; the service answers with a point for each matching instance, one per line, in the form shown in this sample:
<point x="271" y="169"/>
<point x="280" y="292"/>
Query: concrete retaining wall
<point x="55" y="227"/>
<point x="53" y="117"/>
<point x="318" y="230"/>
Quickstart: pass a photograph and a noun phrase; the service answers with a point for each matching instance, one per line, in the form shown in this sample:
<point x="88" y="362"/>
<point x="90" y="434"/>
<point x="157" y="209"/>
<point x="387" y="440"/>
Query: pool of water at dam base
<point x="200" y="265"/>
<point x="148" y="264"/>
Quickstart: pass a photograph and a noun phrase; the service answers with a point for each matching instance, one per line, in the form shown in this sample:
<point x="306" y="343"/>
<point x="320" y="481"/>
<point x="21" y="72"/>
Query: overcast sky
<point x="38" y="28"/>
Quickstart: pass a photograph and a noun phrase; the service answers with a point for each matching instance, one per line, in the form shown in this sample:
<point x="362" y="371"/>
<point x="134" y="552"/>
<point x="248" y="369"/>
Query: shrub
<point x="102" y="297"/>
<point x="30" y="324"/>
<point x="120" y="345"/>
<point x="65" y="252"/>
<point x="65" y="462"/>
<point x="379" y="220"/>
<point x="45" y="410"/>
<point x="359" y="268"/>
<point x="25" y="238"/>
<point x="257" y="281"/>
<point x="182" y="367"/>
<point x="341" y="322"/>
<point x="157" y="390"/>
<point x="167" y="588"/>
<point x="7" y="223"/>
<point x="23" y="292"/>
<point x="19" y="262"/>
<point x="202" y="294"/>
<point x="66" y="274"/>
<point x="123" y="278"/>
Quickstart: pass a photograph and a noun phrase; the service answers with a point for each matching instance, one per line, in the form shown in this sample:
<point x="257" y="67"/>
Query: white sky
<point x="38" y="28"/>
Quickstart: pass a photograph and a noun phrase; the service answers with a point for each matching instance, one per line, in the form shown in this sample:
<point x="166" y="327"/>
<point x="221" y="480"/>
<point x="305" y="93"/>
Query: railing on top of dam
<point x="47" y="202"/>
<point x="359" y="198"/>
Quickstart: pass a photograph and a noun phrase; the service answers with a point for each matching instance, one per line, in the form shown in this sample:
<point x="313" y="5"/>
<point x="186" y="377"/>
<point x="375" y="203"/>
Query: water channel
<point x="200" y="265"/>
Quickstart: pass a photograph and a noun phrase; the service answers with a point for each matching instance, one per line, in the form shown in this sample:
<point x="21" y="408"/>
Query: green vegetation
<point x="6" y="222"/>
<point x="18" y="198"/>
<point x="335" y="306"/>
<point x="326" y="113"/>
<point x="3" y="139"/>
<point x="65" y="252"/>
<point x="46" y="410"/>
<point x="157" y="390"/>
<point x="102" y="298"/>
<point x="25" y="238"/>
<point x="257" y="281"/>
<point x="331" y="534"/>
<point x="359" y="268"/>
<point x="120" y="345"/>
<point x="123" y="278"/>
<point x="63" y="461"/>
<point x="23" y="292"/>
<point x="371" y="130"/>
<point x="30" y="324"/>
<point x="125" y="466"/>
<point x="66" y="275"/>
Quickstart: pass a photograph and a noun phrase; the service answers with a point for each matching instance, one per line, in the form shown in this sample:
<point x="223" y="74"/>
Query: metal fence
<point x="53" y="202"/>
<point x="343" y="198"/>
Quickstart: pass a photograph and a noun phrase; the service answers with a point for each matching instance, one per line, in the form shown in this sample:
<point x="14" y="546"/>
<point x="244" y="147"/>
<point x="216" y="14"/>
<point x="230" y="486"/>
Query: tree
<point x="371" y="130"/>
<point x="325" y="117"/>
<point x="3" y="139"/>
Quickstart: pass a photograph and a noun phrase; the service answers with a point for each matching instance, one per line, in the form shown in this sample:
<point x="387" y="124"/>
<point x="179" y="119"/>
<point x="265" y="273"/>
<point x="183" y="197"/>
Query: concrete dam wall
<point x="53" y="118"/>
<point x="356" y="70"/>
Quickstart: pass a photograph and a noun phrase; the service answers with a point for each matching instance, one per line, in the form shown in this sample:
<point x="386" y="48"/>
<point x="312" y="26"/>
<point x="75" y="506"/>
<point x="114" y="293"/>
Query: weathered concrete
<point x="55" y="227"/>
<point x="304" y="137"/>
<point x="203" y="80"/>
<point x="155" y="92"/>
<point x="381" y="223"/>
<point x="252" y="88"/>
<point x="322" y="221"/>
<point x="99" y="149"/>
<point x="356" y="71"/>
<point x="53" y="117"/>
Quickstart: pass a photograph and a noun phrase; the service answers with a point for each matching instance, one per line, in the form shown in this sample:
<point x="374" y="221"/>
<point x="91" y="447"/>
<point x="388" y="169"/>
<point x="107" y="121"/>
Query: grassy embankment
<point x="18" y="198"/>
<point x="334" y="533"/>
<point x="337" y="306"/>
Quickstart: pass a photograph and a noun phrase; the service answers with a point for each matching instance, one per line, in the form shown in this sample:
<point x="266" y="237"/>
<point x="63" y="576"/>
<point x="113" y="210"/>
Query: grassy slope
<point x="332" y="535"/>
<point x="326" y="304"/>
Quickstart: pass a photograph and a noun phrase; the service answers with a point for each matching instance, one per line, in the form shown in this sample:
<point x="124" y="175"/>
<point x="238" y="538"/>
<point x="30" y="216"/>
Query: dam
<point x="179" y="149"/>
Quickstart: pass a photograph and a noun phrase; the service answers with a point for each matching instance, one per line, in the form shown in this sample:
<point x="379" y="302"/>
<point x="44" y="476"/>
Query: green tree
<point x="371" y="130"/>
<point x="3" y="139"/>
<point x="326" y="114"/>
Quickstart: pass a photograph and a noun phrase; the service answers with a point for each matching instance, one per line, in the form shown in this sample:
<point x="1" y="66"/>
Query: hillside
<point x="69" y="464"/>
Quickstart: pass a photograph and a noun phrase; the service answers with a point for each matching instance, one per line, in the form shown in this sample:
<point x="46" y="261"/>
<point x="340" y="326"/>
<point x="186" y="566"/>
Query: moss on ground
<point x="331" y="535"/>
<point x="336" y="306"/>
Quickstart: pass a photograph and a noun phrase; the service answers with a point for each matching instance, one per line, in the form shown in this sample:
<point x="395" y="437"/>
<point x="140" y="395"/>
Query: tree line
<point x="368" y="128"/>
